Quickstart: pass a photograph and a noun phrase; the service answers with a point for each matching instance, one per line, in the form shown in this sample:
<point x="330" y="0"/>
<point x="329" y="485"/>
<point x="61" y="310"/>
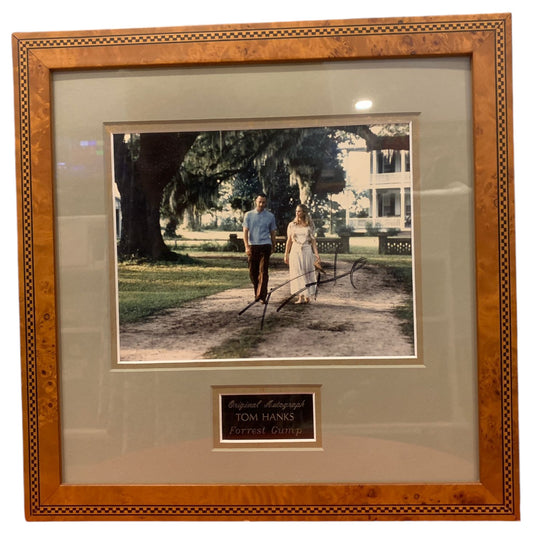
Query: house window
<point x="407" y="220"/>
<point x="388" y="203"/>
<point x="408" y="202"/>
<point x="388" y="161"/>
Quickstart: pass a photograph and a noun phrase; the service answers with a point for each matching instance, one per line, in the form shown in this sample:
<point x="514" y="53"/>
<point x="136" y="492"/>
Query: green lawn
<point x="147" y="288"/>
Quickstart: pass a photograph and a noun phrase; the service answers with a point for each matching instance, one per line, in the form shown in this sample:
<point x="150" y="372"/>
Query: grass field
<point x="148" y="288"/>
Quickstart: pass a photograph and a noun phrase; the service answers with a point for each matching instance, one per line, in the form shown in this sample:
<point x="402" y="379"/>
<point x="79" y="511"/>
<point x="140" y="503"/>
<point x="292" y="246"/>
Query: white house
<point x="385" y="178"/>
<point x="390" y="189"/>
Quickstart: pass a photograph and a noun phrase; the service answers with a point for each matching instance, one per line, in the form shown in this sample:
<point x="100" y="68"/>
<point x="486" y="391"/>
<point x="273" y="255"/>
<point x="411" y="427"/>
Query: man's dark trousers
<point x="258" y="262"/>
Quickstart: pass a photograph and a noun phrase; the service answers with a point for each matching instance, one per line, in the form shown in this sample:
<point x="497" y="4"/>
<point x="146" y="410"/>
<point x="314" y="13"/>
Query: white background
<point x="50" y="15"/>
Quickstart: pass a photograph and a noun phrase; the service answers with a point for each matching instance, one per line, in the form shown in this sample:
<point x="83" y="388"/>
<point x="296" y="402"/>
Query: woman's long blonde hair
<point x="306" y="216"/>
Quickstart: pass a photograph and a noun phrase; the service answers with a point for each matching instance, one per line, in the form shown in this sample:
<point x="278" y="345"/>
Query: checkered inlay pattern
<point x="505" y="263"/>
<point x="497" y="27"/>
<point x="345" y="511"/>
<point x="267" y="33"/>
<point x="29" y="293"/>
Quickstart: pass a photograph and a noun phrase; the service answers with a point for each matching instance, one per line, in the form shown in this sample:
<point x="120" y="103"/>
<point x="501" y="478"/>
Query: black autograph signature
<point x="320" y="280"/>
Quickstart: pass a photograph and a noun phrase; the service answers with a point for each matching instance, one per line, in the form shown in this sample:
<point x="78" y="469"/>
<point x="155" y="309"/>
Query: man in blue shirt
<point x="259" y="228"/>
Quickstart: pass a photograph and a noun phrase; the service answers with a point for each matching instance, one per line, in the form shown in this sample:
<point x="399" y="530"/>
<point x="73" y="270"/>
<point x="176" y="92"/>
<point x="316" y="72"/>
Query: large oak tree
<point x="141" y="179"/>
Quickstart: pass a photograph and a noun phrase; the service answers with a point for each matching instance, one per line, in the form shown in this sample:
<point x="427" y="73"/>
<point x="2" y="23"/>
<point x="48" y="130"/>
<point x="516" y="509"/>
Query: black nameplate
<point x="286" y="417"/>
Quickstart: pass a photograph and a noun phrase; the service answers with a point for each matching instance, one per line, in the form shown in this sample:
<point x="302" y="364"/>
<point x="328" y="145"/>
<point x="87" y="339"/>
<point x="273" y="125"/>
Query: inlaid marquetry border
<point x="41" y="400"/>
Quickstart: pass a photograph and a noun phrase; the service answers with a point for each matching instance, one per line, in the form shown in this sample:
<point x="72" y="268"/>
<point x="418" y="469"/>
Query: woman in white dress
<point x="301" y="251"/>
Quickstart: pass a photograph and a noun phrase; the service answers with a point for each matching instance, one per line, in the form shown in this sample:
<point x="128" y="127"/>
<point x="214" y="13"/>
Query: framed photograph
<point x="359" y="201"/>
<point x="267" y="271"/>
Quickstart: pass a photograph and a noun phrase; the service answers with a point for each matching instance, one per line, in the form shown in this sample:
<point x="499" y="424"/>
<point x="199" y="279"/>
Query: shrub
<point x="373" y="230"/>
<point x="343" y="230"/>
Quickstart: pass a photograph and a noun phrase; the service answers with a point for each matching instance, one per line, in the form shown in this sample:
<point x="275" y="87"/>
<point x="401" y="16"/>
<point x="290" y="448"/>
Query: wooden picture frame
<point x="486" y="41"/>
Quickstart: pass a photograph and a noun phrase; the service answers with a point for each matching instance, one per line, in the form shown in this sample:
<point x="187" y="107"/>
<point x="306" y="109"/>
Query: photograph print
<point x="257" y="243"/>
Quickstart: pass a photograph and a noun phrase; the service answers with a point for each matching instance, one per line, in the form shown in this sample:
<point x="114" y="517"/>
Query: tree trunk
<point x="305" y="189"/>
<point x="141" y="184"/>
<point x="192" y="218"/>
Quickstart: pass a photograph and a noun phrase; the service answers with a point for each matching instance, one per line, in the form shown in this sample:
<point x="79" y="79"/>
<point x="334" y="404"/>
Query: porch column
<point x="402" y="207"/>
<point x="374" y="205"/>
<point x="374" y="162"/>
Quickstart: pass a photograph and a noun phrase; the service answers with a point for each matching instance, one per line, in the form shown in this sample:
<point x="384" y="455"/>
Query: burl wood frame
<point x="486" y="39"/>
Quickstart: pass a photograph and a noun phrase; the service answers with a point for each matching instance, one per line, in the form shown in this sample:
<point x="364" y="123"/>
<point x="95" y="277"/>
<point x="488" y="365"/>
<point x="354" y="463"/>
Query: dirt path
<point x="343" y="322"/>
